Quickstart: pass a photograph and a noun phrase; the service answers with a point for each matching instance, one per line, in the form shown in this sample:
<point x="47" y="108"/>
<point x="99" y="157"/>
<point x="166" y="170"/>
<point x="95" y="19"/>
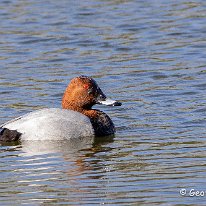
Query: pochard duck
<point x="75" y="119"/>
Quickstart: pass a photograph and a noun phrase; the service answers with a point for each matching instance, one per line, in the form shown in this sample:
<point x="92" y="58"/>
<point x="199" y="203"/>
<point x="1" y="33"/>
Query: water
<point x="148" y="54"/>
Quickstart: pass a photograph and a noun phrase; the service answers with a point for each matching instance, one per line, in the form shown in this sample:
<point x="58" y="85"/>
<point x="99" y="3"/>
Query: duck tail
<point x="7" y="135"/>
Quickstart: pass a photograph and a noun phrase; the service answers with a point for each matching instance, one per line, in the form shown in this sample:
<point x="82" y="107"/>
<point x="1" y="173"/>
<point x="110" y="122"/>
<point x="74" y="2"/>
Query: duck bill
<point x="110" y="102"/>
<point x="102" y="99"/>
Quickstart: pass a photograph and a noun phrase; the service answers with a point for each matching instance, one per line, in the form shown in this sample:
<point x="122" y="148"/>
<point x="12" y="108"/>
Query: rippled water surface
<point x="151" y="55"/>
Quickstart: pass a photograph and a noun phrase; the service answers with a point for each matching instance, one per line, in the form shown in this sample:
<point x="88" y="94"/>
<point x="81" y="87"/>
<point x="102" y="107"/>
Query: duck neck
<point x="91" y="113"/>
<point x="88" y="111"/>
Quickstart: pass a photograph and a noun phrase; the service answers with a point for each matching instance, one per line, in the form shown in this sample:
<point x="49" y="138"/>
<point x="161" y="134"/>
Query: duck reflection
<point x="65" y="167"/>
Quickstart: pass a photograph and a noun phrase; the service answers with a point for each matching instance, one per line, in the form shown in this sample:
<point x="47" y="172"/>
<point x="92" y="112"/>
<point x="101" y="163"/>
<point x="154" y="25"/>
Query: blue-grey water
<point x="151" y="55"/>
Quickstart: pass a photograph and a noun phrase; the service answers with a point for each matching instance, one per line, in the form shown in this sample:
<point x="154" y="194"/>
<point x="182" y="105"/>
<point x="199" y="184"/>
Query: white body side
<point x="51" y="124"/>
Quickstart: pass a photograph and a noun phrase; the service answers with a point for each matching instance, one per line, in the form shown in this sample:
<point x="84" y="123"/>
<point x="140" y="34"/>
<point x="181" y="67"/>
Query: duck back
<point x="51" y="124"/>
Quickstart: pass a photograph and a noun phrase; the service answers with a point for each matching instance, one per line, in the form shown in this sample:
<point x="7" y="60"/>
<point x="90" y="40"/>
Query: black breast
<point x="102" y="125"/>
<point x="7" y="135"/>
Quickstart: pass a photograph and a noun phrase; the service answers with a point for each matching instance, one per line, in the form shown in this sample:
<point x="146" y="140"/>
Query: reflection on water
<point x="43" y="147"/>
<point x="150" y="56"/>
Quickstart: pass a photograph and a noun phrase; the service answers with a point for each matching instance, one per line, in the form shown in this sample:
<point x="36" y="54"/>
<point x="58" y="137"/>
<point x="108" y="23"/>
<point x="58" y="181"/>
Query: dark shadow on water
<point x="102" y="140"/>
<point x="14" y="143"/>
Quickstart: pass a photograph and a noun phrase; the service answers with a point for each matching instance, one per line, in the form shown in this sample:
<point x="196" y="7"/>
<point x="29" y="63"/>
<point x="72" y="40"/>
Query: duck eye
<point x="86" y="86"/>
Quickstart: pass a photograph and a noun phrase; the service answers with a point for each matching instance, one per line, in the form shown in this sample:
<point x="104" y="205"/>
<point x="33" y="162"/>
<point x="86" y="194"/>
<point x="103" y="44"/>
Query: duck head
<point x="82" y="93"/>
